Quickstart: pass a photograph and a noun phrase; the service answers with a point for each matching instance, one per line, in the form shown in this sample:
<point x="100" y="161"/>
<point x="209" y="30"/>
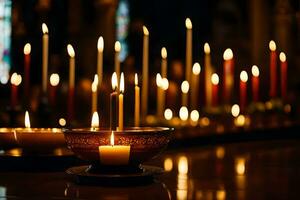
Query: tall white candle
<point x="117" y="59"/>
<point x="71" y="53"/>
<point x="208" y="74"/>
<point x="100" y="47"/>
<point x="145" y="72"/>
<point x="195" y="86"/>
<point x="188" y="57"/>
<point x="95" y="94"/>
<point x="45" y="57"/>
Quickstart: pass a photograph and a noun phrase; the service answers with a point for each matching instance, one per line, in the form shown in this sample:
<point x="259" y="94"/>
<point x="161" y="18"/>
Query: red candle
<point x="283" y="71"/>
<point x="15" y="81"/>
<point x="255" y="83"/>
<point x="54" y="81"/>
<point x="243" y="90"/>
<point x="228" y="75"/>
<point x="273" y="68"/>
<point x="215" y="88"/>
<point x="27" y="50"/>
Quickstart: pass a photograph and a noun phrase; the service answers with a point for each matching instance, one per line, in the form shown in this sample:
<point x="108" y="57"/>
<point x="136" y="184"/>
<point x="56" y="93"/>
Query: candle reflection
<point x="182" y="178"/>
<point x="240" y="169"/>
<point x="168" y="164"/>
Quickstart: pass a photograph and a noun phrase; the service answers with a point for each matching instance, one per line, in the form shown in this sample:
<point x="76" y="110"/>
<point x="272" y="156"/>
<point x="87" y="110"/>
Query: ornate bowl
<point x="145" y="142"/>
<point x="7" y="138"/>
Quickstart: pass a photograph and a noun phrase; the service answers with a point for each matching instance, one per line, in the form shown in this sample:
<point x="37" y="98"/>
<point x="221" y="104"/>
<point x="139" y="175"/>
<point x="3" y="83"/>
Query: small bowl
<point x="7" y="138"/>
<point x="145" y="142"/>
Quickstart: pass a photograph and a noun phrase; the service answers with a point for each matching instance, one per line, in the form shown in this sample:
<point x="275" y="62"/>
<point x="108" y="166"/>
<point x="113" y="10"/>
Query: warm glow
<point x="145" y="30"/>
<point x="27" y="48"/>
<point x="206" y="48"/>
<point x="220" y="152"/>
<point x="221" y="195"/>
<point x="122" y="83"/>
<point x="255" y="71"/>
<point x="44" y="28"/>
<point x="215" y="79"/>
<point x="168" y="164"/>
<point x="114" y="81"/>
<point x="54" y="79"/>
<point x="228" y="54"/>
<point x="158" y="80"/>
<point x="282" y="57"/>
<point x="240" y="120"/>
<point x="16" y="79"/>
<point x="194" y="115"/>
<point x="95" y="120"/>
<point x="117" y="46"/>
<point x="188" y="23"/>
<point x="62" y="122"/>
<point x="71" y="51"/>
<point x="185" y="87"/>
<point x="95" y="83"/>
<point x="164" y="53"/>
<point x="183" y="113"/>
<point x="272" y="45"/>
<point x="240" y="166"/>
<point x="112" y="139"/>
<point x="27" y="120"/>
<point x="100" y="44"/>
<point x="168" y="114"/>
<point x="136" y="79"/>
<point x="235" y="110"/>
<point x="183" y="165"/>
<point x="244" y="76"/>
<point x="196" y="69"/>
<point x="164" y="84"/>
<point x="204" y="121"/>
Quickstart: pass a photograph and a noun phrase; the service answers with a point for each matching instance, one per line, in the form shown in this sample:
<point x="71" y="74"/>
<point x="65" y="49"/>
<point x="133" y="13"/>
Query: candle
<point x="255" y="83"/>
<point x="100" y="47"/>
<point x="45" y="57"/>
<point x="164" y="82"/>
<point x="168" y="114"/>
<point x="113" y="102"/>
<point x="183" y="113"/>
<point x="145" y="72"/>
<point x="95" y="94"/>
<point x="164" y="62"/>
<point x="159" y="95"/>
<point x="95" y="121"/>
<point x="283" y="71"/>
<point x="185" y="89"/>
<point x="114" y="154"/>
<point x="117" y="59"/>
<point x="164" y="87"/>
<point x="54" y="81"/>
<point x="27" y="120"/>
<point x="195" y="86"/>
<point x="228" y="75"/>
<point x="243" y="89"/>
<point x="27" y="50"/>
<point x="273" y="69"/>
<point x="235" y="110"/>
<point x="208" y="74"/>
<point x="188" y="56"/>
<point x="137" y="102"/>
<point x="71" y="53"/>
<point x="121" y="109"/>
<point x="15" y="81"/>
<point x="215" y="88"/>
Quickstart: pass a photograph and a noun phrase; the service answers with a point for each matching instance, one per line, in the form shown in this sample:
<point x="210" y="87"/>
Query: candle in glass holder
<point x="145" y="72"/>
<point x="117" y="57"/>
<point x="228" y="75"/>
<point x="195" y="86"/>
<point x="283" y="72"/>
<point x="255" y="83"/>
<point x="15" y="81"/>
<point x="114" y="154"/>
<point x="208" y="74"/>
<point x="113" y="102"/>
<point x="45" y="57"/>
<point x="137" y="102"/>
<point x="273" y="69"/>
<point x="189" y="49"/>
<point x="71" y="53"/>
<point x="27" y="50"/>
<point x="185" y="89"/>
<point x="243" y="90"/>
<point x="100" y="47"/>
<point x="215" y="88"/>
<point x="54" y="81"/>
<point x="121" y="104"/>
<point x="95" y="94"/>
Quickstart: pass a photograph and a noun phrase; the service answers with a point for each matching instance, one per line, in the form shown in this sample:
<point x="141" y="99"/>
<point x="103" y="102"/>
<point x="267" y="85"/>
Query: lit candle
<point x="159" y="95"/>
<point x="273" y="69"/>
<point x="183" y="113"/>
<point x="100" y="47"/>
<point x="54" y="81"/>
<point x="188" y="56"/>
<point x="117" y="59"/>
<point x="71" y="53"/>
<point x="27" y="120"/>
<point x="215" y="88"/>
<point x="27" y="50"/>
<point x="283" y="71"/>
<point x="208" y="74"/>
<point x="228" y="75"/>
<point x="95" y="94"/>
<point x="164" y="81"/>
<point x="114" y="154"/>
<point x="95" y="121"/>
<point x="195" y="86"/>
<point x="113" y="102"/>
<point x="235" y="110"/>
<point x="185" y="89"/>
<point x="255" y="83"/>
<point x="145" y="72"/>
<point x="243" y="89"/>
<point x="164" y="55"/>
<point x="137" y="102"/>
<point x="15" y="81"/>
<point x="168" y="114"/>
<point x="45" y="56"/>
<point x="121" y="109"/>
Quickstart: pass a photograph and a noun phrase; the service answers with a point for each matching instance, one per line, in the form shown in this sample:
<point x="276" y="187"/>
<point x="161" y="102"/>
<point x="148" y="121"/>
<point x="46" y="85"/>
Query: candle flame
<point x="255" y="71"/>
<point x="228" y="54"/>
<point x="117" y="46"/>
<point x="122" y="83"/>
<point x="196" y="69"/>
<point x="235" y="110"/>
<point x="244" y="76"/>
<point x="282" y="57"/>
<point x="145" y="30"/>
<point x="188" y="23"/>
<point x="136" y="79"/>
<point x="272" y="45"/>
<point x="240" y="120"/>
<point x="71" y="51"/>
<point x="164" y="53"/>
<point x="206" y="48"/>
<point x="44" y="28"/>
<point x="95" y="83"/>
<point x="112" y="139"/>
<point x="164" y="84"/>
<point x="158" y="80"/>
<point x="54" y="79"/>
<point x="95" y="120"/>
<point x="240" y="166"/>
<point x="27" y="120"/>
<point x="185" y="87"/>
<point x="168" y="114"/>
<point x="100" y="44"/>
<point x="27" y="49"/>
<point x="215" y="79"/>
<point x="168" y="164"/>
<point x="114" y="81"/>
<point x="194" y="115"/>
<point x="183" y="113"/>
<point x="183" y="165"/>
<point x="16" y="79"/>
<point x="62" y="122"/>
